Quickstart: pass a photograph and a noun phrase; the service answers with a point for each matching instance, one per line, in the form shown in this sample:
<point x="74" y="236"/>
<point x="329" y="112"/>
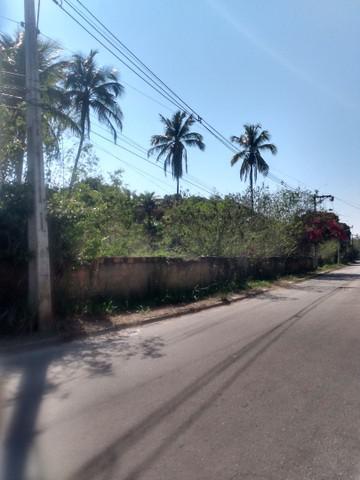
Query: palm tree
<point x="171" y="146"/>
<point x="92" y="88"/>
<point x="252" y="143"/>
<point x="148" y="212"/>
<point x="12" y="99"/>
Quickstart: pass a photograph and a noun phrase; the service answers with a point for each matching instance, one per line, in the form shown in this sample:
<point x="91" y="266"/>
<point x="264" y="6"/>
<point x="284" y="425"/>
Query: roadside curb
<point x="181" y="311"/>
<point x="64" y="338"/>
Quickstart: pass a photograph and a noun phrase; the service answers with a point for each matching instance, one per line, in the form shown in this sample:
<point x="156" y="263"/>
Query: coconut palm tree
<point x="12" y="99"/>
<point x="253" y="142"/>
<point x="92" y="88"/>
<point x="171" y="145"/>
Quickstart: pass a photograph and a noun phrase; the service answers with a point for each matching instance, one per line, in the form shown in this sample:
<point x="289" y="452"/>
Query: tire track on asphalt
<point x="111" y="455"/>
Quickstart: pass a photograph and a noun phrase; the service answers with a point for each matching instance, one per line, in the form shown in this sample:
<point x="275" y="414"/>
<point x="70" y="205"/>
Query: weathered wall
<point x="139" y="278"/>
<point x="143" y="277"/>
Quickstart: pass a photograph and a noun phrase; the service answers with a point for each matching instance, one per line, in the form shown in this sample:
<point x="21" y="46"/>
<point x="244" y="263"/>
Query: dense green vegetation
<point x="106" y="218"/>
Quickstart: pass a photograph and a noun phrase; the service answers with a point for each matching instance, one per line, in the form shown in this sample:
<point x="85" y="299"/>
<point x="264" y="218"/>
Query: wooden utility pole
<point x="39" y="265"/>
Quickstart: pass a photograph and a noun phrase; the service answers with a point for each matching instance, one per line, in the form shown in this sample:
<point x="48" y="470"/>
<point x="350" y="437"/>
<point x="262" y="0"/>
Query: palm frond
<point x="160" y="150"/>
<point x="108" y="115"/>
<point x="195" y="143"/>
<point x="185" y="127"/>
<point x="245" y="169"/>
<point x="269" y="146"/>
<point x="261" y="165"/>
<point x="235" y="139"/>
<point x="238" y="156"/>
<point x="157" y="139"/>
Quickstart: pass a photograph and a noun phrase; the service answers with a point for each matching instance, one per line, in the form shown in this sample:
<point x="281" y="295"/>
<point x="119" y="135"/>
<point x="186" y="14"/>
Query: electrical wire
<point x="141" y="172"/>
<point x="139" y="91"/>
<point x="114" y="54"/>
<point x="353" y="205"/>
<point x="122" y="138"/>
<point x="170" y="95"/>
<point x="184" y="106"/>
<point x="143" y="150"/>
<point x="149" y="161"/>
<point x="193" y="112"/>
<point x="163" y="89"/>
<point x="129" y="59"/>
<point x="12" y="20"/>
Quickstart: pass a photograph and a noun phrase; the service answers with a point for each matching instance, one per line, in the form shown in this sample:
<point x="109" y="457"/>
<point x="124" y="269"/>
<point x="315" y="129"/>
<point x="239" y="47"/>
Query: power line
<point x="163" y="89"/>
<point x="114" y="54"/>
<point x="160" y="90"/>
<point x="124" y="139"/>
<point x="170" y="95"/>
<point x="143" y="150"/>
<point x="293" y="178"/>
<point x="205" y="124"/>
<point x="147" y="96"/>
<point x="121" y="136"/>
<point x="141" y="172"/>
<point x="133" y="144"/>
<point x="181" y="104"/>
<point x="337" y="198"/>
<point x="122" y="81"/>
<point x="347" y="203"/>
<point x="129" y="59"/>
<point x="133" y="55"/>
<point x="12" y="20"/>
<point x="150" y="162"/>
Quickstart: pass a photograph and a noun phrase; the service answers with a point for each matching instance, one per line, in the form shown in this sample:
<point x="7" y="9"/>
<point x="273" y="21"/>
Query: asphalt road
<point x="266" y="388"/>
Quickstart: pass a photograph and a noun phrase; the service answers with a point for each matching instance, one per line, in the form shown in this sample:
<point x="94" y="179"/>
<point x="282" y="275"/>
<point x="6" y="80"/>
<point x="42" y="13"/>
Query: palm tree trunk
<point x="252" y="188"/>
<point x="73" y="175"/>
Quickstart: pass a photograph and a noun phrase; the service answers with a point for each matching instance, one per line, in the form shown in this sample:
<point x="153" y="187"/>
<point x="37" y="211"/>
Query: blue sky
<point x="291" y="66"/>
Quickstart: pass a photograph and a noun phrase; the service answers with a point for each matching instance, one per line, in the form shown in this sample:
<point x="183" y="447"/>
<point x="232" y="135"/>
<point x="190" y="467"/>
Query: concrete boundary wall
<point x="137" y="278"/>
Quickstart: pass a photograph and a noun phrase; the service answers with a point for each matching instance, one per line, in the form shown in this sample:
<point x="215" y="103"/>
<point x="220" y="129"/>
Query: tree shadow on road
<point x="276" y="297"/>
<point x="340" y="276"/>
<point x="34" y="374"/>
<point x="102" y="466"/>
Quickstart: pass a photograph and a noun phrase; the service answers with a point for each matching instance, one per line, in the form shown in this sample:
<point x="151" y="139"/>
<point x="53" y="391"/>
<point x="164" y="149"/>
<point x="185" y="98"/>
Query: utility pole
<point x="317" y="199"/>
<point x="39" y="264"/>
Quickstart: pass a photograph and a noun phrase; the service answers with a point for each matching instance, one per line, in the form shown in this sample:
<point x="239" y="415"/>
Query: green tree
<point x="55" y="115"/>
<point x="171" y="145"/>
<point x="148" y="213"/>
<point x="253" y="142"/>
<point x="92" y="88"/>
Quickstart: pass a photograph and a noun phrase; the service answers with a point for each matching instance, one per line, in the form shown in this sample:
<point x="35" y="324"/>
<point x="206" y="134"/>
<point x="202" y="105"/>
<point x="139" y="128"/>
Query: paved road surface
<point x="267" y="388"/>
